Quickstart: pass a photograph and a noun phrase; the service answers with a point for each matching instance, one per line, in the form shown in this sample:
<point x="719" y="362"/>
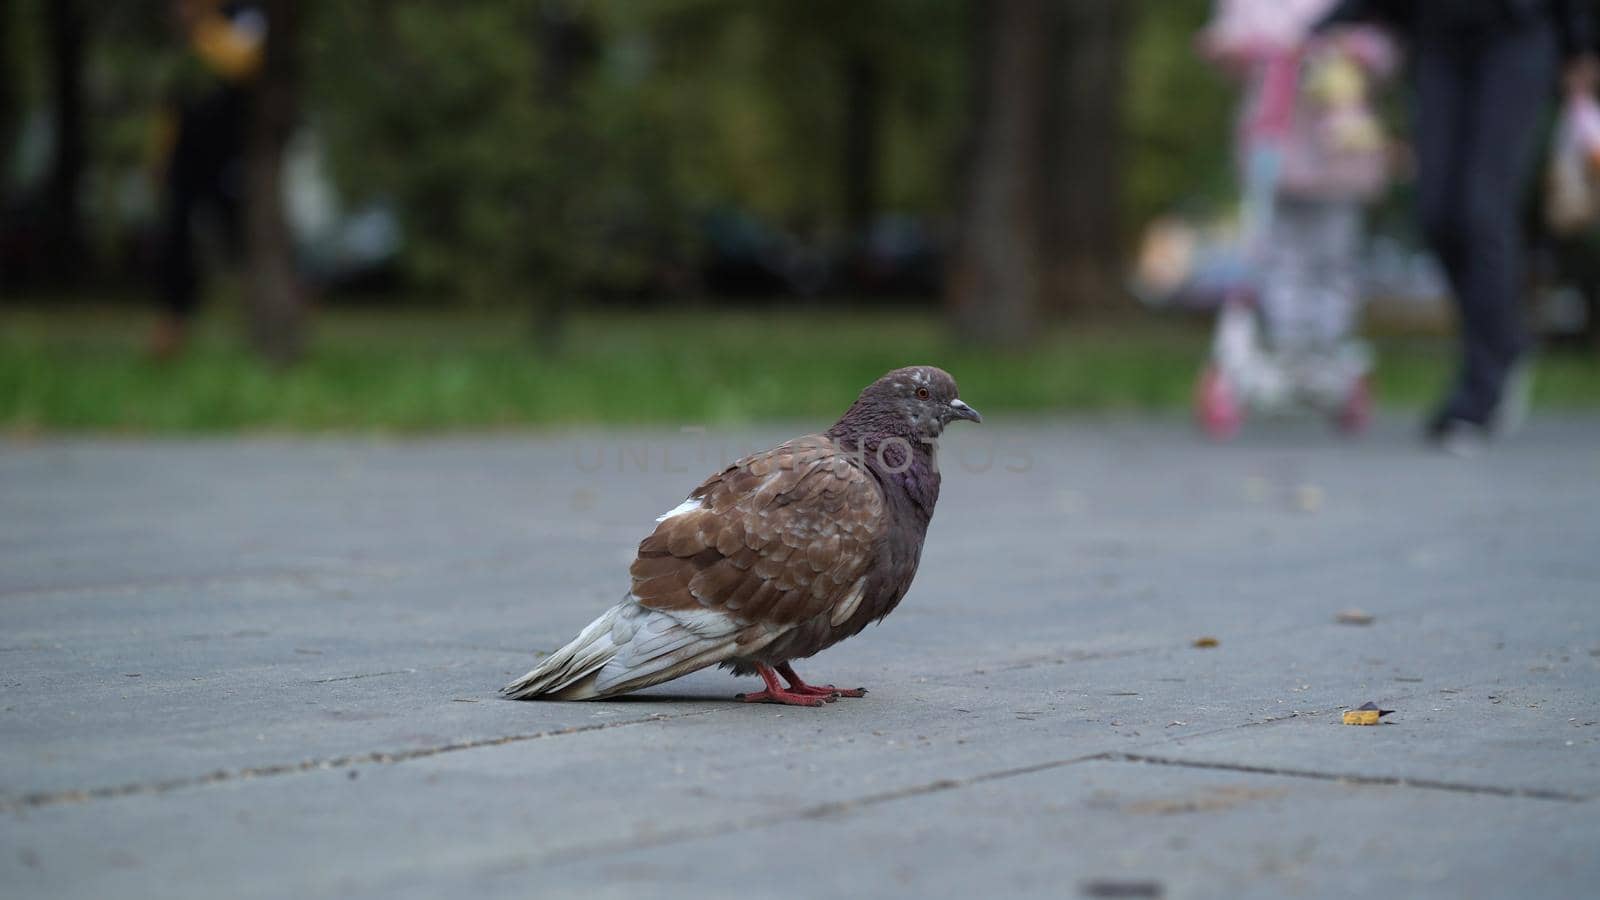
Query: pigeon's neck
<point x="873" y="425"/>
<point x="918" y="480"/>
<point x="898" y="461"/>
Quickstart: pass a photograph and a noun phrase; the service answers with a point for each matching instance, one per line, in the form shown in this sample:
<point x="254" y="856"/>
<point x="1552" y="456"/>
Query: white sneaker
<point x="1515" y="394"/>
<point x="1458" y="437"/>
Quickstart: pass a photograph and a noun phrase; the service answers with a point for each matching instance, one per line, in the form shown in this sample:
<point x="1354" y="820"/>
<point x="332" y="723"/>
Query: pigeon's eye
<point x="922" y="393"/>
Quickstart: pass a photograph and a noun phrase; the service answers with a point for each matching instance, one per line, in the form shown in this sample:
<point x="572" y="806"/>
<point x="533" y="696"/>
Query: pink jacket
<point x="1331" y="142"/>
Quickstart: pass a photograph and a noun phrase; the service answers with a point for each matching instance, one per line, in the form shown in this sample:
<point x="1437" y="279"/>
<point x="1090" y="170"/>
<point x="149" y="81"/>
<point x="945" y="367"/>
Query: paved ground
<point x="268" y="668"/>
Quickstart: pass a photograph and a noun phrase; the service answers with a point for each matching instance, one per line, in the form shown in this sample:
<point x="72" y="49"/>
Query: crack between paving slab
<point x="366" y="675"/>
<point x="841" y="807"/>
<point x="820" y="810"/>
<point x="817" y="811"/>
<point x="1350" y="778"/>
<point x="85" y="795"/>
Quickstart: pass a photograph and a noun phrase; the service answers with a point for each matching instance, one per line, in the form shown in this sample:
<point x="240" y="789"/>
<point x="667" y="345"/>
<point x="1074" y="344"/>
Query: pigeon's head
<point x="916" y="402"/>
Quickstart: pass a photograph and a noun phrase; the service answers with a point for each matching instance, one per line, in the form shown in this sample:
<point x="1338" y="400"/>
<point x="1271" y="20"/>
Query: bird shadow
<point x="669" y="698"/>
<point x="642" y="699"/>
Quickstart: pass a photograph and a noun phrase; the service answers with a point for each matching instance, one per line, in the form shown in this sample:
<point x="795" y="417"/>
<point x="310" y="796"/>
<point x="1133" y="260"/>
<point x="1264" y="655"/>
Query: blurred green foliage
<point x="505" y="171"/>
<point x="532" y="144"/>
<point x="536" y="142"/>
<point x="1179" y="115"/>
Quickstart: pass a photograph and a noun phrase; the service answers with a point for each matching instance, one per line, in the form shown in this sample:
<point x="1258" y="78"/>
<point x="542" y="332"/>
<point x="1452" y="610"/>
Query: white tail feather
<point x="591" y="649"/>
<point x="631" y="647"/>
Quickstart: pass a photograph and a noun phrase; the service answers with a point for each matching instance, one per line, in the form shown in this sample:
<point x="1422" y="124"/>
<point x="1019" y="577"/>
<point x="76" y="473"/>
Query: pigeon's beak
<point x="964" y="411"/>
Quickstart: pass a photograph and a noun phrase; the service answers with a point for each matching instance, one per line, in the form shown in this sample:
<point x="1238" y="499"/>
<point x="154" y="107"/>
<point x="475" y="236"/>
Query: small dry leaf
<point x="1308" y="497"/>
<point x="1207" y="641"/>
<point x="1367" y="713"/>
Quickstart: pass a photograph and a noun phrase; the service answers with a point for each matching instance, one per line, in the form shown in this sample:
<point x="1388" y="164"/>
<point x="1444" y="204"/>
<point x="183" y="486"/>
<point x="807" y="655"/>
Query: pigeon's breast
<point x="911" y="495"/>
<point x="895" y="558"/>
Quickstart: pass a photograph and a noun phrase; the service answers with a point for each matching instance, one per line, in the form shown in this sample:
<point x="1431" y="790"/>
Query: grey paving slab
<point x="1179" y="832"/>
<point x="219" y="656"/>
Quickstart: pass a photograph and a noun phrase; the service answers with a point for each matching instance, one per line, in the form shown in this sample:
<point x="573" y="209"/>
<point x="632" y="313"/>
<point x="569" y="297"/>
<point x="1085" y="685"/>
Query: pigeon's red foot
<point x="826" y="690"/>
<point x="848" y="692"/>
<point x="785" y="697"/>
<point x="798" y="693"/>
<point x="797" y="686"/>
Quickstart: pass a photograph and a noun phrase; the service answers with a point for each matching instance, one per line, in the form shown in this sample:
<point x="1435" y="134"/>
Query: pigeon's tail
<point x="570" y="673"/>
<point x="632" y="647"/>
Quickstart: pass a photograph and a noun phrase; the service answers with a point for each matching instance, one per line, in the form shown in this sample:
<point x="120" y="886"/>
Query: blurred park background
<point x="527" y="212"/>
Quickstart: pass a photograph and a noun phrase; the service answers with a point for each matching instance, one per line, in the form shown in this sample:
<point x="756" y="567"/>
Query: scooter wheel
<point x="1216" y="406"/>
<point x="1356" y="414"/>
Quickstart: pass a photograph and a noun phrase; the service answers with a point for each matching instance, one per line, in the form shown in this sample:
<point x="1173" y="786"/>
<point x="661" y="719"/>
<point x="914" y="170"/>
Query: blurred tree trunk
<point x="9" y="74"/>
<point x="566" y="45"/>
<point x="863" y="85"/>
<point x="275" y="296"/>
<point x="1040" y="218"/>
<point x="8" y="90"/>
<point x="64" y="194"/>
<point x="1081" y="226"/>
<point x="995" y="280"/>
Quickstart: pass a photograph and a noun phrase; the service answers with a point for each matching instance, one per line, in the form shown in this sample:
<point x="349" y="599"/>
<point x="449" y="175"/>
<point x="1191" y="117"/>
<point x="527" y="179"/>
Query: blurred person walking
<point x="203" y="140"/>
<point x="1484" y="72"/>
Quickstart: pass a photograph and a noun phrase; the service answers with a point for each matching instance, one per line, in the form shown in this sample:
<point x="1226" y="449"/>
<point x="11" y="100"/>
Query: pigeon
<point x="780" y="555"/>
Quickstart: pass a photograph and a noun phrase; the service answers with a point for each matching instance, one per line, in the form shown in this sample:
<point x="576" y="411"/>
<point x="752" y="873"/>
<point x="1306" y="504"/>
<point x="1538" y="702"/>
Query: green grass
<point x="84" y="370"/>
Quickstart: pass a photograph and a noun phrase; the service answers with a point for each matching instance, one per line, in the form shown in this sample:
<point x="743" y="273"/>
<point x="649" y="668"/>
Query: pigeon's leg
<point x="776" y="694"/>
<point x="815" y="690"/>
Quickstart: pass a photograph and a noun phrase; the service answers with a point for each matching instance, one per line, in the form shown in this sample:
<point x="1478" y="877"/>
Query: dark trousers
<point x="205" y="174"/>
<point x="1479" y="101"/>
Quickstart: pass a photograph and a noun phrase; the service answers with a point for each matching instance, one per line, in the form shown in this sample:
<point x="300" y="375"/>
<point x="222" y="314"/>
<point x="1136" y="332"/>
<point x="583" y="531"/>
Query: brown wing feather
<point x="780" y="538"/>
